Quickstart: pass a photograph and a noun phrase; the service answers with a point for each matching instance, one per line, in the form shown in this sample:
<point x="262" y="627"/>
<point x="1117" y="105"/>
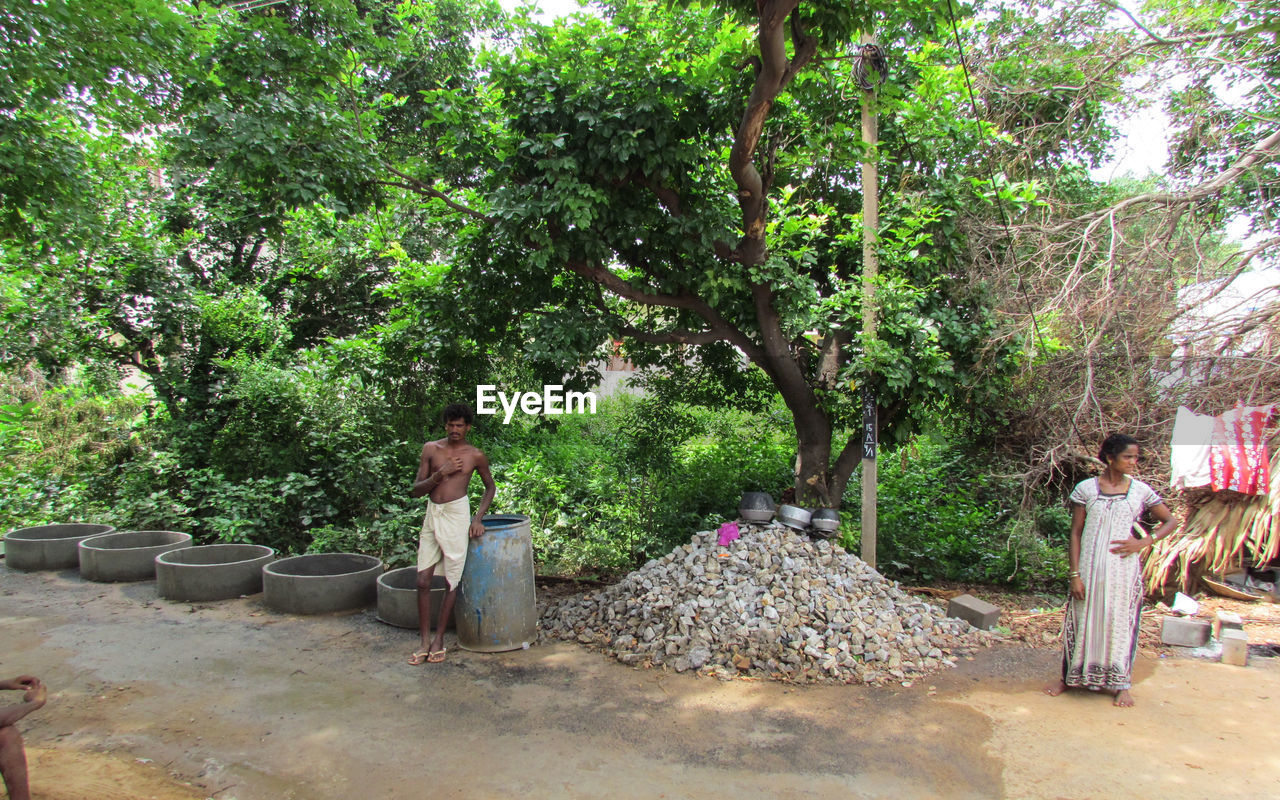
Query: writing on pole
<point x="868" y="424"/>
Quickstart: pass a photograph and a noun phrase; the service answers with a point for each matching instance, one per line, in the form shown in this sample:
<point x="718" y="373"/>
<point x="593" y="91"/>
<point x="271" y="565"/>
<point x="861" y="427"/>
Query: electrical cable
<point x="870" y="55"/>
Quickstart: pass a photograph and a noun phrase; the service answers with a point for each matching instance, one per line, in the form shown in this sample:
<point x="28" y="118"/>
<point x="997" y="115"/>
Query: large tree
<point x="71" y="69"/>
<point x="682" y="178"/>
<point x="690" y="179"/>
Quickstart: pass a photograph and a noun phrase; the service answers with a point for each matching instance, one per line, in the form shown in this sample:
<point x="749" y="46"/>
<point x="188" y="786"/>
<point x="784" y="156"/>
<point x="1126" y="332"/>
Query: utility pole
<point x="871" y="71"/>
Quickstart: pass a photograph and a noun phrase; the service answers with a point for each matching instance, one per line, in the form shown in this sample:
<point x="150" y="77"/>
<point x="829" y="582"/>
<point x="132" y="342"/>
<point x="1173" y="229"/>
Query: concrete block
<point x="978" y="613"/>
<point x="1185" y="632"/>
<point x="1226" y="621"/>
<point x="1235" y="647"/>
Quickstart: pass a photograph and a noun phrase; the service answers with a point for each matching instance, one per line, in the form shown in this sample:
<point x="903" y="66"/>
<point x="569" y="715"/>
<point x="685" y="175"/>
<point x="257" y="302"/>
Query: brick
<point x="978" y="613"/>
<point x="1226" y="621"/>
<point x="1185" y="632"/>
<point x="1235" y="647"/>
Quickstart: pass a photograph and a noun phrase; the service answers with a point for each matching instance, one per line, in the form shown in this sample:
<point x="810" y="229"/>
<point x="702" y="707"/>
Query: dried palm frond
<point x="1227" y="530"/>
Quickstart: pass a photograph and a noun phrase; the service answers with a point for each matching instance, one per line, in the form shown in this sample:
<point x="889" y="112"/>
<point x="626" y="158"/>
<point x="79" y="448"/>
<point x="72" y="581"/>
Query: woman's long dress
<point x="1100" y="632"/>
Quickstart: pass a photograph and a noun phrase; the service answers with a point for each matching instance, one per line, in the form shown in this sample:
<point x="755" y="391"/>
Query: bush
<point x="304" y="463"/>
<point x="943" y="514"/>
<point x="52" y="440"/>
<point x="391" y="535"/>
<point x="609" y="491"/>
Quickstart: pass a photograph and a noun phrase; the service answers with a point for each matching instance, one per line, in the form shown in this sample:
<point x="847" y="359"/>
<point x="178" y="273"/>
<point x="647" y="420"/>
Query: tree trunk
<point x="813" y="459"/>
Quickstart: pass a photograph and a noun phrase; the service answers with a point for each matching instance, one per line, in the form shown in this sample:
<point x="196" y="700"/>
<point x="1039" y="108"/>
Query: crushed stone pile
<point x="770" y="604"/>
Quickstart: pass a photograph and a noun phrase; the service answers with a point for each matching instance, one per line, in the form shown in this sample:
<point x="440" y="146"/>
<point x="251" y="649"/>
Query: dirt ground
<point x="151" y="699"/>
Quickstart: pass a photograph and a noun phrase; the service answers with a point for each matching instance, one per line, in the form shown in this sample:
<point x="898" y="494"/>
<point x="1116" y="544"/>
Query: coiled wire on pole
<point x="870" y="67"/>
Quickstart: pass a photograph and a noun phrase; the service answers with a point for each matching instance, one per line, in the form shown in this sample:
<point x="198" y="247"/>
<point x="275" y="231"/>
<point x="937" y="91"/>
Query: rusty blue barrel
<point x="496" y="609"/>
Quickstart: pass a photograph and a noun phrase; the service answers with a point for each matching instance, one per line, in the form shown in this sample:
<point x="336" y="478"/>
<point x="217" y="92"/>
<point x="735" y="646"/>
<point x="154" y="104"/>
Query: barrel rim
<point x="503" y="521"/>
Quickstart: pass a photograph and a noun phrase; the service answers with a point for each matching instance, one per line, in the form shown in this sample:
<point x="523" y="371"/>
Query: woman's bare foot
<point x="1123" y="699"/>
<point x="1056" y="688"/>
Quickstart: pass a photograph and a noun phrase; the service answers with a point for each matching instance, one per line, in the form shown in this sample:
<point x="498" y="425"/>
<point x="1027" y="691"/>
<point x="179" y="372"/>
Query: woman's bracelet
<point x="1074" y="575"/>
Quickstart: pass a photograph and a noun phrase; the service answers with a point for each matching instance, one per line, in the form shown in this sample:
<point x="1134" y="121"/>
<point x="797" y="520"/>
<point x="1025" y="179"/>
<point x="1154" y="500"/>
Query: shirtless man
<point x="13" y="756"/>
<point x="444" y="474"/>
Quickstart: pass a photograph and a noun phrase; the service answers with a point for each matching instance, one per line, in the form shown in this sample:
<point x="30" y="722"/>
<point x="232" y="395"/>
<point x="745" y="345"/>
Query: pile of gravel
<point x="772" y="604"/>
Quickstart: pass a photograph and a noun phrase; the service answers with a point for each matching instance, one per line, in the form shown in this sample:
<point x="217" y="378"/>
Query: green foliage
<point x="52" y="440"/>
<point x="607" y="492"/>
<point x="1221" y="114"/>
<point x="391" y="535"/>
<point x="71" y="70"/>
<point x="944" y="514"/>
<point x="301" y="104"/>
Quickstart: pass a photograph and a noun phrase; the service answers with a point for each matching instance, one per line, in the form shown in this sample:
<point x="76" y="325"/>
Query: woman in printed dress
<point x="1100" y="629"/>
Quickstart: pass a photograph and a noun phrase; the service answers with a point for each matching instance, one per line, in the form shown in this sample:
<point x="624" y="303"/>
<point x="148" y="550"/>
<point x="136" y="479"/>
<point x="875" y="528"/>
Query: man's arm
<point x="490" y="489"/>
<point x="424" y="481"/>
<point x="34" y="699"/>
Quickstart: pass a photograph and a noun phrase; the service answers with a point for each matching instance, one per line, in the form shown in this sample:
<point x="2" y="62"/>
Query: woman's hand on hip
<point x="1128" y="547"/>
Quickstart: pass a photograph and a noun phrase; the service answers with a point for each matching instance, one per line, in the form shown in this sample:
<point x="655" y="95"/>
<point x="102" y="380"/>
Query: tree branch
<point x="1265" y="27"/>
<point x="829" y="358"/>
<point x="775" y="73"/>
<point x="723" y="329"/>
<point x="845" y="463"/>
<point x="416" y="185"/>
<point x="1223" y="283"/>
<point x="669" y="198"/>
<point x="1135" y="21"/>
<point x="253" y="254"/>
<point x="1267" y="147"/>
<point x="676" y="336"/>
<point x="778" y="360"/>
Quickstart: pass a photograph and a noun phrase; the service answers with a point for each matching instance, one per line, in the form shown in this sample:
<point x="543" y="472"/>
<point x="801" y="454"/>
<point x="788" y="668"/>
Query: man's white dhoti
<point x="444" y="538"/>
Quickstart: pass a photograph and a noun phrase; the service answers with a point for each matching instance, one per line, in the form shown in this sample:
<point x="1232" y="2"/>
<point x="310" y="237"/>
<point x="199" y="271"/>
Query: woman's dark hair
<point x="1114" y="445"/>
<point x="460" y="411"/>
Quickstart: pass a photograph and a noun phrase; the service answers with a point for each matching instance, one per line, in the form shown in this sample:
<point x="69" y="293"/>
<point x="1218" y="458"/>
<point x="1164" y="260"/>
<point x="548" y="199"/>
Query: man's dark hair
<point x="460" y="411"/>
<point x="1114" y="445"/>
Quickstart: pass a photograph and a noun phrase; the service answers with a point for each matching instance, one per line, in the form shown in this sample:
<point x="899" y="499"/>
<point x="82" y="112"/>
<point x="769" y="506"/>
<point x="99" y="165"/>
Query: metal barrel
<point x="495" y="609"/>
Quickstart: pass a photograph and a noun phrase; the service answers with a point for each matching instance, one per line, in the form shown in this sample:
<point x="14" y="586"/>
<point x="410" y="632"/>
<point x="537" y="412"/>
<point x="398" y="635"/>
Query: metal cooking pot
<point x="794" y="516"/>
<point x="825" y="522"/>
<point x="825" y="519"/>
<point x="756" y="507"/>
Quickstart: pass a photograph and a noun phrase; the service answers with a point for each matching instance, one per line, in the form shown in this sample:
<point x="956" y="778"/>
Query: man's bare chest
<point x="442" y="458"/>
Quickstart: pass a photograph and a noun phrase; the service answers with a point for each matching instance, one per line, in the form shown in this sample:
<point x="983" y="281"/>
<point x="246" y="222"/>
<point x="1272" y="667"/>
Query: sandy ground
<point x="152" y="699"/>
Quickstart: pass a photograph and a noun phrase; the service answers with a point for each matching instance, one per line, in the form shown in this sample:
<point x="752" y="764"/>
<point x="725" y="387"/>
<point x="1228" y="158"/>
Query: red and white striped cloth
<point x="1238" y="459"/>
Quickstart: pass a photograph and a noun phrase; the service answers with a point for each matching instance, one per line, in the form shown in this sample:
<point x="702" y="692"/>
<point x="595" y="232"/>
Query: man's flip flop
<point x="420" y="657"/>
<point x="435" y="656"/>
